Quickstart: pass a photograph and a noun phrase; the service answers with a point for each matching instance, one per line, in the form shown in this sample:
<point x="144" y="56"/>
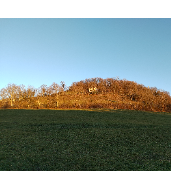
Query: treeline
<point x="90" y="93"/>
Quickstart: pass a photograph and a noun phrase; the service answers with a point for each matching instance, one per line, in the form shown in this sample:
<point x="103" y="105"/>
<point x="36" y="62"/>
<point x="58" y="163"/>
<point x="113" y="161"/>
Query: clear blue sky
<point x="43" y="51"/>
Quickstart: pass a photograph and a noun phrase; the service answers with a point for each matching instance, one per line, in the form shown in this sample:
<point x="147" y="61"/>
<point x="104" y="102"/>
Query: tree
<point x="43" y="89"/>
<point x="11" y="92"/>
<point x="56" y="89"/>
<point x="30" y="92"/>
<point x="63" y="85"/>
<point x="21" y="90"/>
<point x="3" y="93"/>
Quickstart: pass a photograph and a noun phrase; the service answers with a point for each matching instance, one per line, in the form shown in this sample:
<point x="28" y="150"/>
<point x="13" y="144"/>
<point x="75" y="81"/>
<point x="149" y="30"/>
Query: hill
<point x="90" y="93"/>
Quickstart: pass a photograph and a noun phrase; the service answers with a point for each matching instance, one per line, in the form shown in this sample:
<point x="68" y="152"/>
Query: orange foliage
<point x="111" y="93"/>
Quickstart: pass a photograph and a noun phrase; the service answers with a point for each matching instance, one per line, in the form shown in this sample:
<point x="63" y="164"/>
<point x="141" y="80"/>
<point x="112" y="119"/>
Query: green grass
<point x="66" y="140"/>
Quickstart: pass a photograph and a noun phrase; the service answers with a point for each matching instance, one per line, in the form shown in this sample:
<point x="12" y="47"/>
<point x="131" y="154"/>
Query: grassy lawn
<point x="67" y="140"/>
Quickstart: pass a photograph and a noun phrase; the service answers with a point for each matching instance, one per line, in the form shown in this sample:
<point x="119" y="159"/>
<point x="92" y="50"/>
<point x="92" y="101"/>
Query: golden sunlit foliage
<point x="90" y="93"/>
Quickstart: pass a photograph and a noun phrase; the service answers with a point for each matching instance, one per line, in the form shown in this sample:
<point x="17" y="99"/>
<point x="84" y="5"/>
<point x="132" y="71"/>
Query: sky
<point x="46" y="50"/>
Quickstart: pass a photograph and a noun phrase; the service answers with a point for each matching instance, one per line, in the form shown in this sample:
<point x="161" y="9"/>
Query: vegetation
<point x="34" y="140"/>
<point x="90" y="93"/>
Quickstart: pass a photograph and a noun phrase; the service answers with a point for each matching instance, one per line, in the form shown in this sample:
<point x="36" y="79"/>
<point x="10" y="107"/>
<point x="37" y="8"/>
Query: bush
<point x="96" y="106"/>
<point x="6" y="105"/>
<point x="168" y="108"/>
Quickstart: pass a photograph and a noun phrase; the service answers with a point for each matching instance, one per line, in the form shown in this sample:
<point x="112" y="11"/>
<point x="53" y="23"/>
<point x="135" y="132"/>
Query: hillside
<point x="90" y="93"/>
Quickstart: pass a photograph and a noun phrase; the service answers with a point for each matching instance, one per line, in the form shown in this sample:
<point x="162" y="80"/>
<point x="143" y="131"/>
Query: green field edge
<point x="94" y="110"/>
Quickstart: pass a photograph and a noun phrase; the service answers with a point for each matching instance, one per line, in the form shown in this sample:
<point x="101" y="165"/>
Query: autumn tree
<point x="55" y="89"/>
<point x="3" y="93"/>
<point x="3" y="98"/>
<point x="11" y="92"/>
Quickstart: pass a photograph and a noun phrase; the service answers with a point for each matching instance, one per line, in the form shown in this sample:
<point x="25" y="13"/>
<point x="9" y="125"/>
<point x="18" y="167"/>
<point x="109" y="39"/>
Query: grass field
<point x="67" y="140"/>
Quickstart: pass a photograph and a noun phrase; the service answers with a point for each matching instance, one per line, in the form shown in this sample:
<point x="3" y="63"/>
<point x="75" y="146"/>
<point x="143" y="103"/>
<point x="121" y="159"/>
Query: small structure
<point x="92" y="90"/>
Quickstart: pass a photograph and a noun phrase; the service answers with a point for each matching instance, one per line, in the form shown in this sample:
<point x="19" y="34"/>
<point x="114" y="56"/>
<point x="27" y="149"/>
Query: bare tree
<point x="56" y="89"/>
<point x="3" y="93"/>
<point x="43" y="90"/>
<point x="21" y="90"/>
<point x="11" y="92"/>
<point x="30" y="92"/>
<point x="63" y="85"/>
